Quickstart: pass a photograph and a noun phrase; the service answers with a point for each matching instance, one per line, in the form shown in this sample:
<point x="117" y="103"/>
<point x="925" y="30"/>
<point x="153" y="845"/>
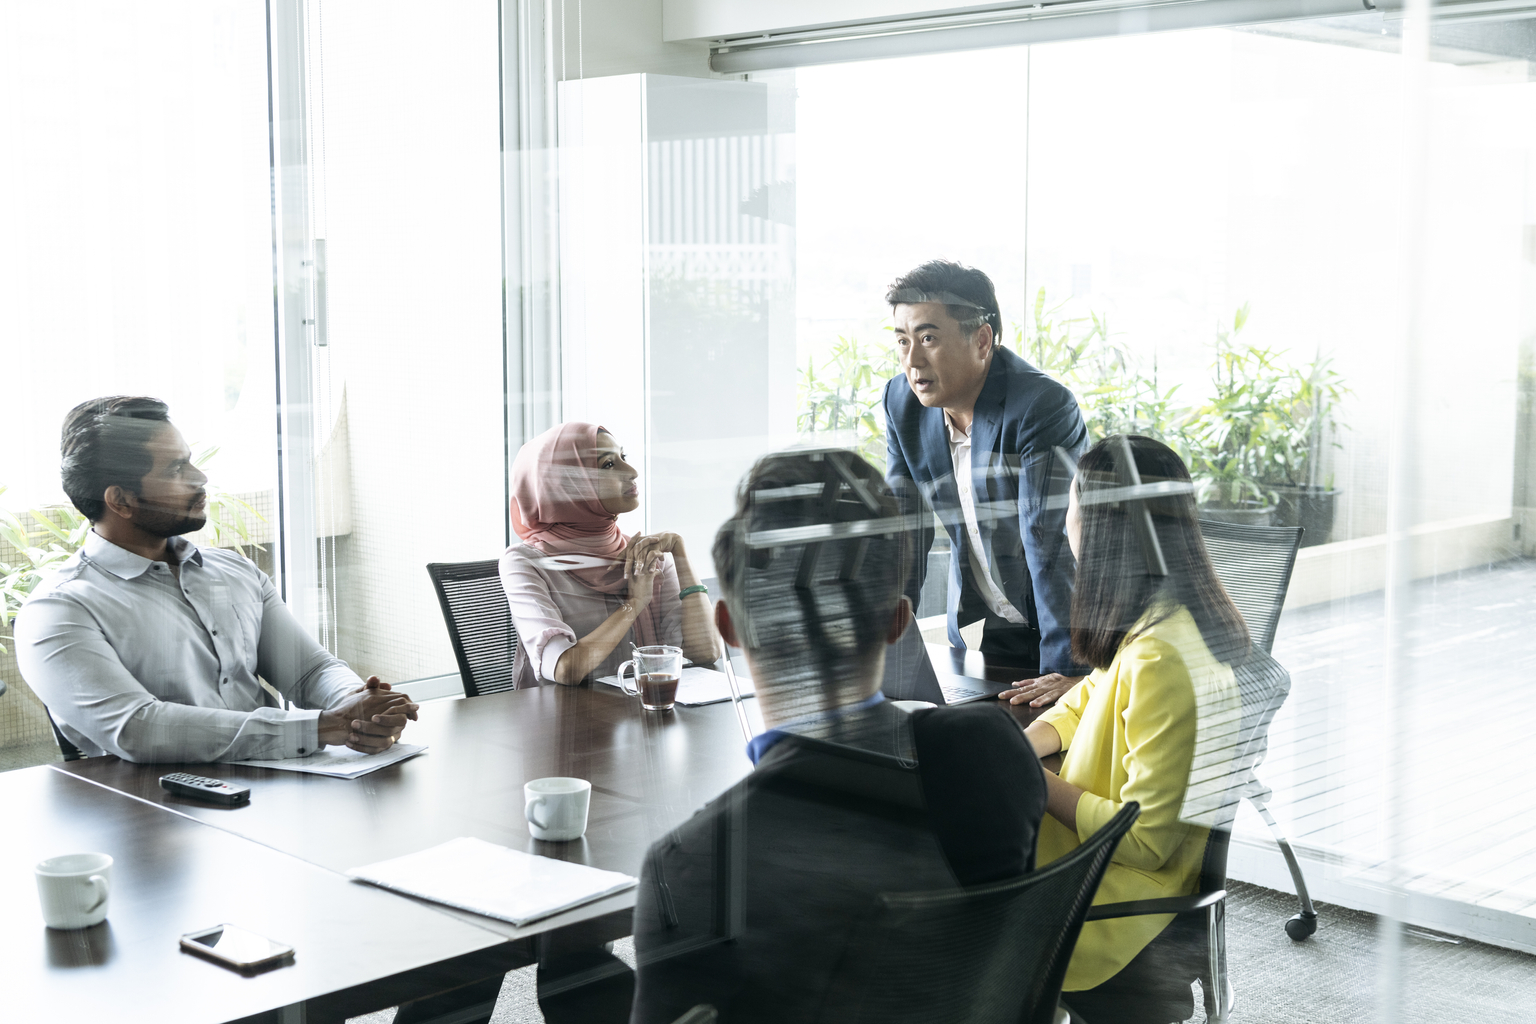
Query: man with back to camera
<point x="750" y="904"/>
<point x="971" y="429"/>
<point x="148" y="647"/>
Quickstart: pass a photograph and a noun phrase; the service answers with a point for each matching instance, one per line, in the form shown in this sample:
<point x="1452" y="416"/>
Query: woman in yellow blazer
<point x="1160" y="702"/>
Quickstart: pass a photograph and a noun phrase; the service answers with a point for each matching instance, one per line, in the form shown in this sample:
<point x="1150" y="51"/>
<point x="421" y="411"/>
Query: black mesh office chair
<point x="988" y="953"/>
<point x="1195" y="944"/>
<point x="1254" y="564"/>
<point x="479" y="624"/>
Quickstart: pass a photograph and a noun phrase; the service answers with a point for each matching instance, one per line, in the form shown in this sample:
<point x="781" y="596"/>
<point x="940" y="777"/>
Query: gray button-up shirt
<point x="134" y="662"/>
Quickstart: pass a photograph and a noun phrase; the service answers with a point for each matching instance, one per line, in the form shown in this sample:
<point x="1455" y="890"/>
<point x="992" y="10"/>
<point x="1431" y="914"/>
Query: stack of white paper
<point x="484" y="878"/>
<point x="340" y="762"/>
<point x="699" y="686"/>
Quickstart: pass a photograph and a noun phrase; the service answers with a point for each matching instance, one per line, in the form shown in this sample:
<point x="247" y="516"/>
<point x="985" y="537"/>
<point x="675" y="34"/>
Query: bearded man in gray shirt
<point x="145" y="646"/>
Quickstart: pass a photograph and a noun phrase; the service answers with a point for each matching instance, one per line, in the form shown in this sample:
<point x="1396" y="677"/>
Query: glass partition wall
<point x="374" y="251"/>
<point x="405" y="361"/>
<point x="136" y="258"/>
<point x="1303" y="256"/>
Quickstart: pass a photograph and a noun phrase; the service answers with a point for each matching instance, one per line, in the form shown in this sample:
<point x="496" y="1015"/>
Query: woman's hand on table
<point x="1040" y="691"/>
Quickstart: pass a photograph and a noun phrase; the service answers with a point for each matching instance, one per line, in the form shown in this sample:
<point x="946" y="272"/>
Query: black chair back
<point x="479" y="624"/>
<point x="1254" y="564"/>
<point x="988" y="954"/>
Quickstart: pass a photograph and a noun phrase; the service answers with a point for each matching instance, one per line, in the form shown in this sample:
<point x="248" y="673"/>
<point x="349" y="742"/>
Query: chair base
<point x="1304" y="924"/>
<point x="1301" y="926"/>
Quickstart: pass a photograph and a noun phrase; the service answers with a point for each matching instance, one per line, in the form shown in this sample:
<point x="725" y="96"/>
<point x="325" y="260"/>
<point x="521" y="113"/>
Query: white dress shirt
<point x="960" y="455"/>
<point x="133" y="661"/>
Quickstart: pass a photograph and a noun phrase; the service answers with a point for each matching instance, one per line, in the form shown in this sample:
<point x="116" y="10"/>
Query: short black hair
<point x="966" y="292"/>
<point x="105" y="444"/>
<point x="811" y="565"/>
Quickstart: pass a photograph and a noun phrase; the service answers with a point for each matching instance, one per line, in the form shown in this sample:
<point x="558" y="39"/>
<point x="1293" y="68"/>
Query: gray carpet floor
<point x="1332" y="976"/>
<point x="1329" y="978"/>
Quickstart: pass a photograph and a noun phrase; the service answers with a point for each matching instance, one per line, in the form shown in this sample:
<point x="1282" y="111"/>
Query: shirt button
<point x="215" y="632"/>
<point x="303" y="751"/>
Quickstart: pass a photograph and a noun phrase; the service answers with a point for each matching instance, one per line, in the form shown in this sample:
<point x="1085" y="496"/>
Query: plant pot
<point x="1311" y="508"/>
<point x="1249" y="513"/>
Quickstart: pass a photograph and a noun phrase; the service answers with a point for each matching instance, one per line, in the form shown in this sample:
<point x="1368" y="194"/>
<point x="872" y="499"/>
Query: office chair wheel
<point x="1301" y="926"/>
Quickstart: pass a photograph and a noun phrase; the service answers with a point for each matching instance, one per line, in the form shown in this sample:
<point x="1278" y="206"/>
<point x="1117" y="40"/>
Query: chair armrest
<point x="1170" y="905"/>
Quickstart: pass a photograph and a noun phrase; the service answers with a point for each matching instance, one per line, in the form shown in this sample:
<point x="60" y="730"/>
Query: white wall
<point x="599" y="38"/>
<point x="677" y="284"/>
<point x="602" y="279"/>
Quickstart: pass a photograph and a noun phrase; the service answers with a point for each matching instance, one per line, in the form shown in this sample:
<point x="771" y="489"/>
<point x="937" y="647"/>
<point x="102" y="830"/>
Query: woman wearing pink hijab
<point x="580" y="591"/>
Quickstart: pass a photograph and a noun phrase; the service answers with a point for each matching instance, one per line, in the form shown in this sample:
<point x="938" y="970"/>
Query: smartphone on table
<point x="236" y="947"/>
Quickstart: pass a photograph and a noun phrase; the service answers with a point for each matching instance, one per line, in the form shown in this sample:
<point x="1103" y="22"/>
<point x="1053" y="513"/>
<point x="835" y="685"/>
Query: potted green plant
<point x="1305" y="429"/>
<point x="1114" y="392"/>
<point x="844" y="398"/>
<point x="1232" y="437"/>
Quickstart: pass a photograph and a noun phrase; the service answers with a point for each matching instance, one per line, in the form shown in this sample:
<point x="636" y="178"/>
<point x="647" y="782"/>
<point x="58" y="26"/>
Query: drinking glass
<point x="657" y="670"/>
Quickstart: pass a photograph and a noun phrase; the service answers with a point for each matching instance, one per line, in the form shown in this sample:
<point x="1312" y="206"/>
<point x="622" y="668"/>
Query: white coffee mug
<point x="73" y="889"/>
<point x="556" y="808"/>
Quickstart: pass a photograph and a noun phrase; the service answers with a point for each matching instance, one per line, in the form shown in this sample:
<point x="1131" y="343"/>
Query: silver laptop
<point x="909" y="675"/>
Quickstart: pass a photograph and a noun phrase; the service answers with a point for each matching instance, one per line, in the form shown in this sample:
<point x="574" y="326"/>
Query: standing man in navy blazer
<point x="971" y="430"/>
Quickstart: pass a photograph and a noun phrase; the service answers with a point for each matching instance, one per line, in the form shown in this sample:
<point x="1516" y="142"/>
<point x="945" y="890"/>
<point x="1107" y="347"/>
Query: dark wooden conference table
<point x="276" y="865"/>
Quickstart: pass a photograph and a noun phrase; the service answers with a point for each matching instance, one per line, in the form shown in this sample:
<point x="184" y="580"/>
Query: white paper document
<point x="484" y="878"/>
<point x="341" y="762"/>
<point x="699" y="686"/>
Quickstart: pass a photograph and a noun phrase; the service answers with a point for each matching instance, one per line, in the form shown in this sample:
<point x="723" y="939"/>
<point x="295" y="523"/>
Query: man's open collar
<point x="124" y="564"/>
<point x="954" y="433"/>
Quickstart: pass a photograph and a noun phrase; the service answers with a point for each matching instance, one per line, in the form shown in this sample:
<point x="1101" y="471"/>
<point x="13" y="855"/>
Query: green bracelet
<point x="697" y="588"/>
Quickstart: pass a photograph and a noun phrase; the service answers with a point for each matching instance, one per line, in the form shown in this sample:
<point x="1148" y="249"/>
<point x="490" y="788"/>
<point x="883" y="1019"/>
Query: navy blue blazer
<point x="750" y="904"/>
<point x="1021" y="416"/>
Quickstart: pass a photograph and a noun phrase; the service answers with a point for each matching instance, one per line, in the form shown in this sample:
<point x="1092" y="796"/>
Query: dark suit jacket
<point x="1021" y="416"/>
<point x="749" y="904"/>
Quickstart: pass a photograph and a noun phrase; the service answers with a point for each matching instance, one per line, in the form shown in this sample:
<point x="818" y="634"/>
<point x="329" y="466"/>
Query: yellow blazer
<point x="1133" y="731"/>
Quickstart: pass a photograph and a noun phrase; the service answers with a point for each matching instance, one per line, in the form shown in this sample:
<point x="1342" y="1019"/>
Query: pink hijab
<point x="555" y="508"/>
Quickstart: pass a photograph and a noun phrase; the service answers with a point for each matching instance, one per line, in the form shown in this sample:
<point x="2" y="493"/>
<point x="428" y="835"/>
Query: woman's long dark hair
<point x="1114" y="587"/>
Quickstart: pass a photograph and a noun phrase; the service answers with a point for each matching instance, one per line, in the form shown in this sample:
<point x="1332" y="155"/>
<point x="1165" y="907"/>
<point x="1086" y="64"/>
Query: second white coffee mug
<point x="73" y="889"/>
<point x="556" y="808"/>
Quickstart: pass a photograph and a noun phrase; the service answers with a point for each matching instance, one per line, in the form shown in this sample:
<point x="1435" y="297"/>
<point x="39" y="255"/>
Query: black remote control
<point x="215" y="791"/>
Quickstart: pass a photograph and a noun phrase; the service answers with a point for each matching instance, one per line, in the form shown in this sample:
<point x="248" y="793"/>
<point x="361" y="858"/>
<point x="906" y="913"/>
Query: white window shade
<point x="759" y="44"/>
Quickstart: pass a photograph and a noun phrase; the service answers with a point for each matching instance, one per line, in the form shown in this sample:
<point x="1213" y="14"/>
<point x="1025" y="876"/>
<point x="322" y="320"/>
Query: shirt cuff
<point x="1063" y="721"/>
<point x="302" y="735"/>
<point x="550" y="657"/>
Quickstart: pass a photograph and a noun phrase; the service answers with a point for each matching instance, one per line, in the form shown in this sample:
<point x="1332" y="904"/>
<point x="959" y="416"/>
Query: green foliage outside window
<point x="58" y="531"/>
<point x="1117" y="393"/>
<point x="845" y="395"/>
<point x="1265" y="425"/>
